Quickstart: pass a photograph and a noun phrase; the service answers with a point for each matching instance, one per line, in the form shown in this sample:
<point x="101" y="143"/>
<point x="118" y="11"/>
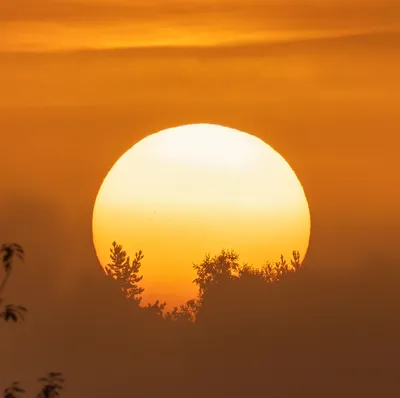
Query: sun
<point x="195" y="189"/>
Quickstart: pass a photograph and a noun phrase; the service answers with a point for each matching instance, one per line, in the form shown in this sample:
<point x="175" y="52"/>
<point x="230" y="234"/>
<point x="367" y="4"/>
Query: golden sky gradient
<point x="196" y="189"/>
<point x="45" y="25"/>
<point x="82" y="82"/>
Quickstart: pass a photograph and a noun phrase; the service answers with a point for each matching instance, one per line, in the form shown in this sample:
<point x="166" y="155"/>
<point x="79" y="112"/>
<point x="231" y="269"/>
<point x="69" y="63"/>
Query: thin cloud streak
<point x="42" y="25"/>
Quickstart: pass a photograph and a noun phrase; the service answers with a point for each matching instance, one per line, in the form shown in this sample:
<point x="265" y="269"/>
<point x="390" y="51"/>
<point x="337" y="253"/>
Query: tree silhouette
<point x="126" y="272"/>
<point x="52" y="384"/>
<point x="275" y="272"/>
<point x="214" y="270"/>
<point x="184" y="313"/>
<point x="13" y="391"/>
<point x="222" y="281"/>
<point x="157" y="308"/>
<point x="213" y="273"/>
<point x="225" y="266"/>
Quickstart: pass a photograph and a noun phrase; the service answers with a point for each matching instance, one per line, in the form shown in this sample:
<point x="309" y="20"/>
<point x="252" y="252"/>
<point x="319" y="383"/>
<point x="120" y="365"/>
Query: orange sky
<point x="329" y="106"/>
<point x="317" y="80"/>
<point x="45" y="25"/>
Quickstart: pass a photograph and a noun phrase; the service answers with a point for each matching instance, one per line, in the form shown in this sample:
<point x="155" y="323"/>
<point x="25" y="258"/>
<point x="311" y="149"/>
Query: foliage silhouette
<point x="224" y="284"/>
<point x="13" y="313"/>
<point x="273" y="272"/>
<point x="184" y="313"/>
<point x="157" y="308"/>
<point x="214" y="270"/>
<point x="8" y="252"/>
<point x="225" y="266"/>
<point x="280" y="269"/>
<point x="13" y="391"/>
<point x="126" y="272"/>
<point x="52" y="384"/>
<point x="300" y="334"/>
<point x="213" y="273"/>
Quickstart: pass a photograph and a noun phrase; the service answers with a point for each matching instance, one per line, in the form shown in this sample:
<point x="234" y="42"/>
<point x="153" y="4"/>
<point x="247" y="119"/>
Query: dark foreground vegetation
<point x="283" y="330"/>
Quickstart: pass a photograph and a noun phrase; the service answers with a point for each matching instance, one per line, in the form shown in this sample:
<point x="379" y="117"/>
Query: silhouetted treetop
<point x="214" y="274"/>
<point x="215" y="269"/>
<point x="184" y="313"/>
<point x="276" y="271"/>
<point x="157" y="308"/>
<point x="125" y="271"/>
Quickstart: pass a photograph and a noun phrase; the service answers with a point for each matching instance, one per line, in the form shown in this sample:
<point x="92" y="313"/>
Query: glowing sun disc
<point x="195" y="189"/>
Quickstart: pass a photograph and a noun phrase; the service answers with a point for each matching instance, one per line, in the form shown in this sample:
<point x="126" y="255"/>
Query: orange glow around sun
<point x="196" y="189"/>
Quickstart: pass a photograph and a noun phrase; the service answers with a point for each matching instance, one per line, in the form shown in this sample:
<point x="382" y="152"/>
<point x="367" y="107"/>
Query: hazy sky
<point x="328" y="105"/>
<point x="44" y="25"/>
<point x="317" y="80"/>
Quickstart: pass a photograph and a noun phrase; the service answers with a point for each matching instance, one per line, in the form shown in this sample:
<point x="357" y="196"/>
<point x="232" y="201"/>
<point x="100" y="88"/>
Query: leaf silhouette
<point x="13" y="313"/>
<point x="8" y="251"/>
<point x="52" y="384"/>
<point x="14" y="390"/>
